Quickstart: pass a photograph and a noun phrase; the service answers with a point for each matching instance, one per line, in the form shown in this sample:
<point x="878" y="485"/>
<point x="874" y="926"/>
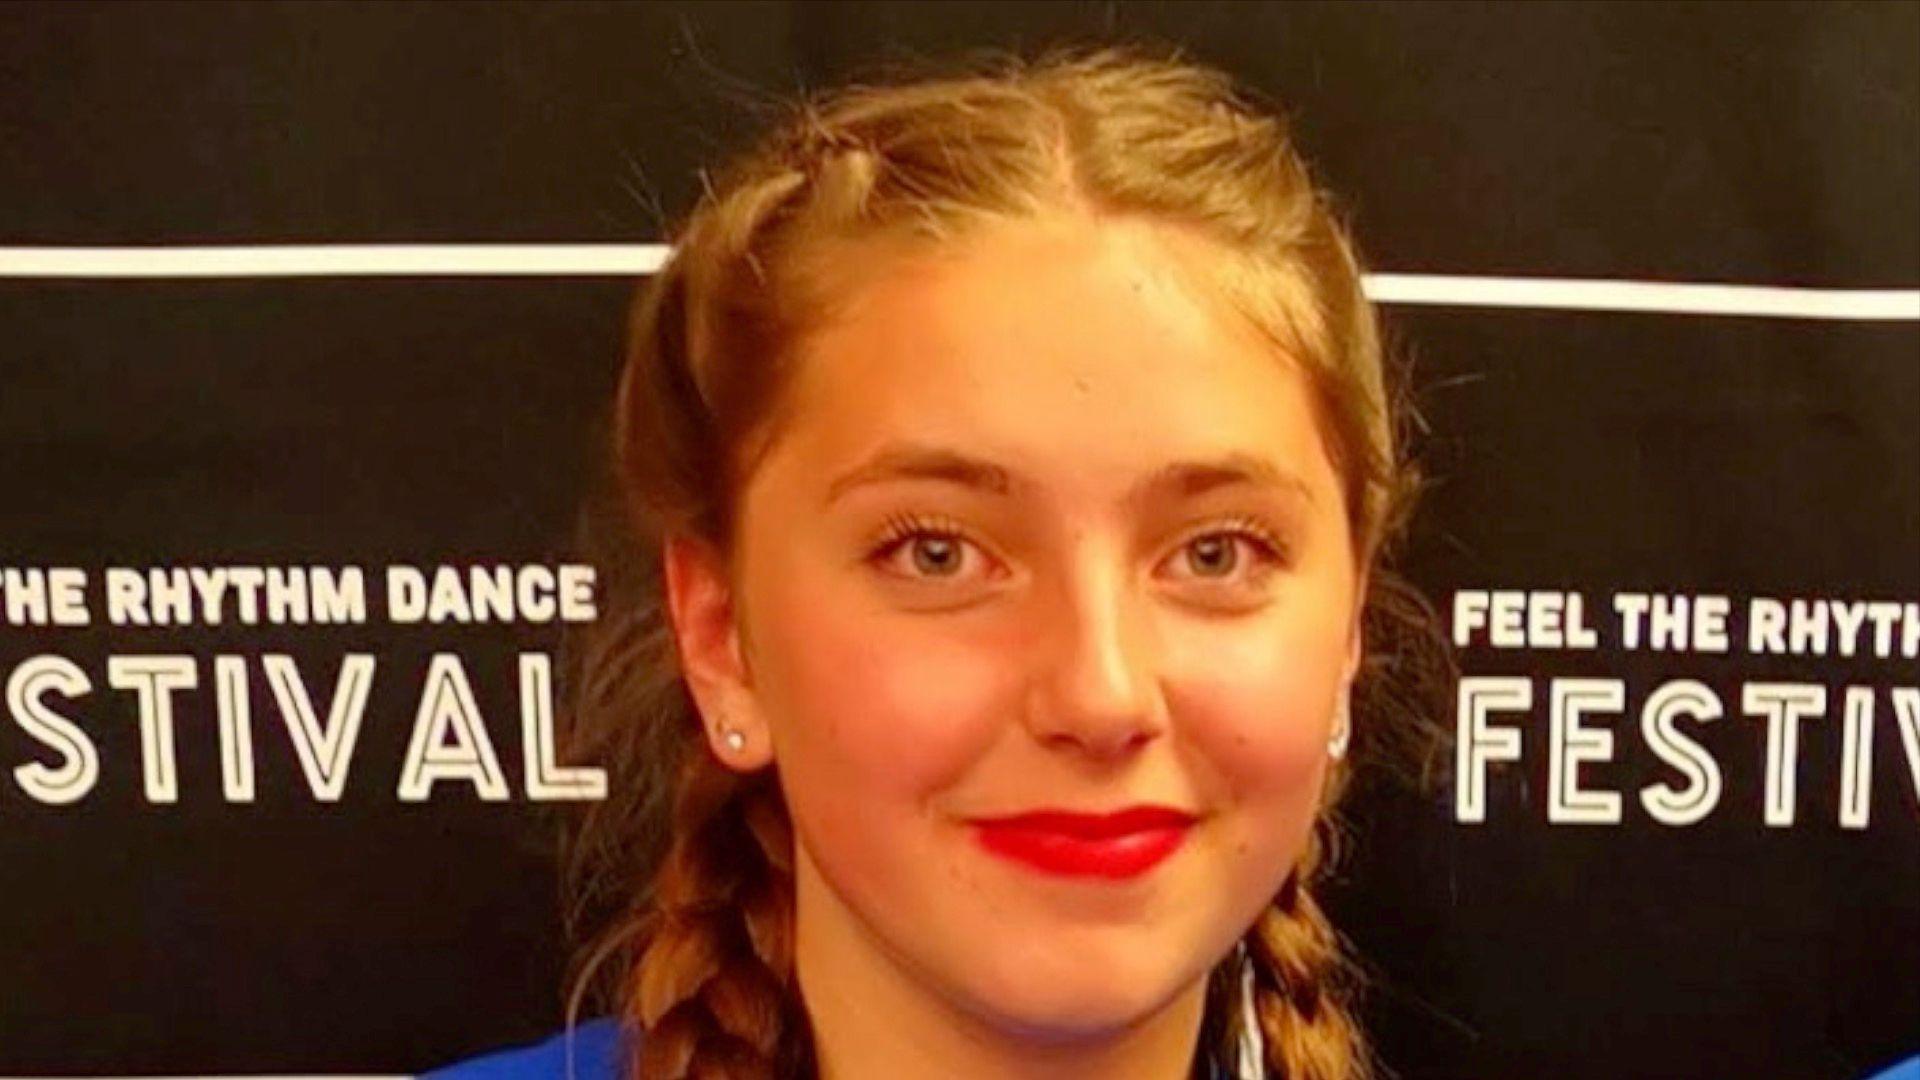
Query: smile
<point x="1113" y="846"/>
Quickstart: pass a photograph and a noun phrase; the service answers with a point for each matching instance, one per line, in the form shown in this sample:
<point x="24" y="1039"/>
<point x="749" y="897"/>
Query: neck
<point x="872" y="1019"/>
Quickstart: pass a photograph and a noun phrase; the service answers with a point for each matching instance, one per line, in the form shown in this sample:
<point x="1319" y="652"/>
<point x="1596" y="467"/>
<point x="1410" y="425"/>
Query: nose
<point x="1097" y="687"/>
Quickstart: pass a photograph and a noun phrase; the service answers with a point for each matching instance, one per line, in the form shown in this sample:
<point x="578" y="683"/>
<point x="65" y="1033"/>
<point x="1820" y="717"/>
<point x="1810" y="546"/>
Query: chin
<point x="1056" y="996"/>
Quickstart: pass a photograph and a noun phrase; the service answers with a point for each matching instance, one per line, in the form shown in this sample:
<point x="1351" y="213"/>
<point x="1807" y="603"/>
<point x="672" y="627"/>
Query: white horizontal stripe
<point x="334" y="260"/>
<point x="1670" y="297"/>
<point x="624" y="260"/>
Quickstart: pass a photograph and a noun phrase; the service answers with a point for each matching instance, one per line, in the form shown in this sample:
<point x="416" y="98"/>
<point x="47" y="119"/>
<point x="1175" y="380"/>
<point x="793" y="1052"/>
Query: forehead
<point x="1088" y="348"/>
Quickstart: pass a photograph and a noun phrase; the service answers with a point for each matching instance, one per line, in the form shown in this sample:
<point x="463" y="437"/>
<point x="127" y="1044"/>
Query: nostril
<point x="1106" y="733"/>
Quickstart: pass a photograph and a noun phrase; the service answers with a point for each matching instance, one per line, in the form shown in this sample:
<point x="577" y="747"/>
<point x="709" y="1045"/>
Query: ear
<point x="700" y="603"/>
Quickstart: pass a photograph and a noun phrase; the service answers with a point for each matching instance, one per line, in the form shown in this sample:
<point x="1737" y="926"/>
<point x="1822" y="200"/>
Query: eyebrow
<point x="1187" y="479"/>
<point x="916" y="461"/>
<point x="1183" y="479"/>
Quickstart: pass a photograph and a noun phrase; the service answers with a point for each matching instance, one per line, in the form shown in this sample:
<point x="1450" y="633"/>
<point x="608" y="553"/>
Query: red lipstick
<point x="1119" y="845"/>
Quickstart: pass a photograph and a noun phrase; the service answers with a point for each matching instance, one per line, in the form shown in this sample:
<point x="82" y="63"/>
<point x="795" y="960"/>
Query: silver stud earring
<point x="734" y="739"/>
<point x="1342" y="730"/>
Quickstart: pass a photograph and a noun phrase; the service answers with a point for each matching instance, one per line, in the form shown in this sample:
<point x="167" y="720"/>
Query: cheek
<point x="1261" y="702"/>
<point x="872" y="710"/>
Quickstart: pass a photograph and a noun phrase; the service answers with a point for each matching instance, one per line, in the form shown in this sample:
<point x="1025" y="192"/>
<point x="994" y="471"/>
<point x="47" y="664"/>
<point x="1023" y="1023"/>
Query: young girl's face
<point x="1044" y="528"/>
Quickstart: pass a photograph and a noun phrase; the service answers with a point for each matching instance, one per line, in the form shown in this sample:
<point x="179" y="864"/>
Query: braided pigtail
<point x="1306" y="984"/>
<point x="713" y="990"/>
<point x="1304" y="988"/>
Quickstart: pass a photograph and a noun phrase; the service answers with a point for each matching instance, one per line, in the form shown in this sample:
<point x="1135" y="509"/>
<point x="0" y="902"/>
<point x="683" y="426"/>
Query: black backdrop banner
<point x="284" y="530"/>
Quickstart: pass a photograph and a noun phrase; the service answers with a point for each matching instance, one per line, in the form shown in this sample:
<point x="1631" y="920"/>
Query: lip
<point x="1116" y="846"/>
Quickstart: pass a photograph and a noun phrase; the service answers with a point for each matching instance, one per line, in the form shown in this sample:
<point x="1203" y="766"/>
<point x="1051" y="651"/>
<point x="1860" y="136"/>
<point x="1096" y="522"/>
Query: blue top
<point x="596" y="1046"/>
<point x="1904" y="1070"/>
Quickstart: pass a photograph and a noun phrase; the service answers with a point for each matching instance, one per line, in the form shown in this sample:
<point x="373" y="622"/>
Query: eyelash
<point x="901" y="528"/>
<point x="1268" y="548"/>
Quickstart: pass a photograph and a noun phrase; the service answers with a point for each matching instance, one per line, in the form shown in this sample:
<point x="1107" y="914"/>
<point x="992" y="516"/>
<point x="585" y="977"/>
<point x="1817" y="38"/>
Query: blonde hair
<point x="680" y="884"/>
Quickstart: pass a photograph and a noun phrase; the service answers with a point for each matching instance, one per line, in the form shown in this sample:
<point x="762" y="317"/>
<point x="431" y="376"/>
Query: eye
<point x="1213" y="555"/>
<point x="924" y="549"/>
<point x="1242" y="549"/>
